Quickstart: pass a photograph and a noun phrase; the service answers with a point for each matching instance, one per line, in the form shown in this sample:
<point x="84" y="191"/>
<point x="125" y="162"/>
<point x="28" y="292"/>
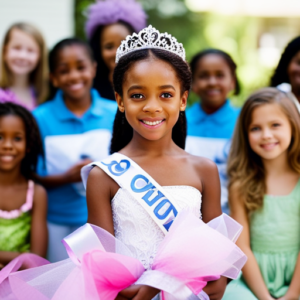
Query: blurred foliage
<point x="80" y="16"/>
<point x="236" y="35"/>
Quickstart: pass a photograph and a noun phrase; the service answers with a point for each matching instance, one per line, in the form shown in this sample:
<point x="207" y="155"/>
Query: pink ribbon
<point x="100" y="266"/>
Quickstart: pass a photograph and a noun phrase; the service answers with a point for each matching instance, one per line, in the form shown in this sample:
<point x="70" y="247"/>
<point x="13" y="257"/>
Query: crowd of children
<point x="211" y="156"/>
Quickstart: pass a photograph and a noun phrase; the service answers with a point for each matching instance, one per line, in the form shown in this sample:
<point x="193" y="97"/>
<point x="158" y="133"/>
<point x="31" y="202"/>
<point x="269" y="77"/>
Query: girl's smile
<point x="152" y="123"/>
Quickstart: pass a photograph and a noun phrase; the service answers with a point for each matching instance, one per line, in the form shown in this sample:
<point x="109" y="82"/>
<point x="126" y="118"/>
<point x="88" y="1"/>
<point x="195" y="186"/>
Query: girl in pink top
<point x="23" y="204"/>
<point x="24" y="71"/>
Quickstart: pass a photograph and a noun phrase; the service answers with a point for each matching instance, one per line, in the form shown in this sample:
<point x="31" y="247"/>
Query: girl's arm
<point x="251" y="271"/>
<point x="211" y="208"/>
<point x="98" y="196"/>
<point x="6" y="257"/>
<point x="293" y="292"/>
<point x="70" y="176"/>
<point x="100" y="190"/>
<point x="39" y="232"/>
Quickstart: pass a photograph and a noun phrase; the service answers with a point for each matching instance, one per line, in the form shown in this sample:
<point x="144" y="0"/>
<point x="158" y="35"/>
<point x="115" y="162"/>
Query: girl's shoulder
<point x="98" y="179"/>
<point x="205" y="169"/>
<point x="201" y="163"/>
<point x="39" y="190"/>
<point x="39" y="195"/>
<point x="7" y="95"/>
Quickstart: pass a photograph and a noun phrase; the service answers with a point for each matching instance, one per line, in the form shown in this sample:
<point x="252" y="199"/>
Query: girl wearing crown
<point x="149" y="201"/>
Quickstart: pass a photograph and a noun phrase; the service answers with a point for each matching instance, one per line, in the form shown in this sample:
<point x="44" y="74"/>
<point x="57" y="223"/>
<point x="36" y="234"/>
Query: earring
<point x="123" y="119"/>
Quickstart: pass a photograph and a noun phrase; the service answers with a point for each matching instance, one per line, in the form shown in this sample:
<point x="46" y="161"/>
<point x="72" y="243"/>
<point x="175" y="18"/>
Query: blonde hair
<point x="39" y="76"/>
<point x="244" y="165"/>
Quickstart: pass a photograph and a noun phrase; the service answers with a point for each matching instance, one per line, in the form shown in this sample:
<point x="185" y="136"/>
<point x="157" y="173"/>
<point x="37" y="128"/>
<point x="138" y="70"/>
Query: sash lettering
<point x="141" y="186"/>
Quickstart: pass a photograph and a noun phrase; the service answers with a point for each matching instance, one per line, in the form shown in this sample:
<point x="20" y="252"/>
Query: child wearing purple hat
<point x="108" y="23"/>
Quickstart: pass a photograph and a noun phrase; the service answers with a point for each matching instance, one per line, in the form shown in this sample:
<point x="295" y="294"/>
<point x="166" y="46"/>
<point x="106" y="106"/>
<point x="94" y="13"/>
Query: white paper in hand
<point x="64" y="151"/>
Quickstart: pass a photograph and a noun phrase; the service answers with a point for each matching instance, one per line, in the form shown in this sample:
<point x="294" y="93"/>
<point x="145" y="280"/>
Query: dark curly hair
<point x="231" y="64"/>
<point x="101" y="82"/>
<point x="280" y="74"/>
<point x="122" y="131"/>
<point x="54" y="53"/>
<point x="34" y="146"/>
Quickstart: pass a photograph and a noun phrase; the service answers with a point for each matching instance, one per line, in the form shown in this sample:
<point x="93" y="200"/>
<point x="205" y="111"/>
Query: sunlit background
<point x="253" y="32"/>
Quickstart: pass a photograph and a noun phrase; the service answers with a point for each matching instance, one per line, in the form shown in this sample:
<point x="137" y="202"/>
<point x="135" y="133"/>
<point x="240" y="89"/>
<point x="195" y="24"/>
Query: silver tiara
<point x="150" y="38"/>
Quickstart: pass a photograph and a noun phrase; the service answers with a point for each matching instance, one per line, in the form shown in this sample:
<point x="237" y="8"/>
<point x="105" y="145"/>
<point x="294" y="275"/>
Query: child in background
<point x="23" y="204"/>
<point x="24" y="71"/>
<point x="287" y="73"/>
<point x="108" y="23"/>
<point x="76" y="128"/>
<point x="264" y="196"/>
<point x="211" y="122"/>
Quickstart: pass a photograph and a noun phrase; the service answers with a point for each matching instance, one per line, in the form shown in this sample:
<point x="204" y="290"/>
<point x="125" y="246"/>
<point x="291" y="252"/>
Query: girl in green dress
<point x="23" y="204"/>
<point x="264" y="196"/>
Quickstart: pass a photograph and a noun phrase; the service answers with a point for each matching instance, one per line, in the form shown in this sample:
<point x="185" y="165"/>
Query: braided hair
<point x="280" y="74"/>
<point x="34" y="146"/>
<point x="231" y="64"/>
<point x="122" y="131"/>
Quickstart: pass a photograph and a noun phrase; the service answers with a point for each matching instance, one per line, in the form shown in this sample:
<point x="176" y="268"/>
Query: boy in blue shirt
<point x="76" y="129"/>
<point x="211" y="122"/>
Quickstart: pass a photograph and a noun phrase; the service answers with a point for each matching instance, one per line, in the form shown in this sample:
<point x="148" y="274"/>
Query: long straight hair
<point x="122" y="131"/>
<point x="244" y="165"/>
<point x="38" y="78"/>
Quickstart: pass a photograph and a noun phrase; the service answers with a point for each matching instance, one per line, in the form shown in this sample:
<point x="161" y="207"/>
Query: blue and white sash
<point x="130" y="176"/>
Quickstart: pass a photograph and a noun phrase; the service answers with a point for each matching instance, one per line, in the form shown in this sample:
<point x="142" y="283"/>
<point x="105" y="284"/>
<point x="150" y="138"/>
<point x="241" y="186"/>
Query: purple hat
<point x="111" y="11"/>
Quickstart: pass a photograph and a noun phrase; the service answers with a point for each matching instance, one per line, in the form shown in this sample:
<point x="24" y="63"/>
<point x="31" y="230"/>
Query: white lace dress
<point x="136" y="229"/>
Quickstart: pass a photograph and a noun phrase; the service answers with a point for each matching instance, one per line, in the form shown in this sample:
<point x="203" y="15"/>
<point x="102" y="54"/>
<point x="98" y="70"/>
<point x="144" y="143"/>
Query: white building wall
<point x="54" y="18"/>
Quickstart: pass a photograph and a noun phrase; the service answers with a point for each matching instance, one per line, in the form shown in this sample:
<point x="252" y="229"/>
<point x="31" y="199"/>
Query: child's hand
<point x="215" y="289"/>
<point x="73" y="174"/>
<point x="138" y="292"/>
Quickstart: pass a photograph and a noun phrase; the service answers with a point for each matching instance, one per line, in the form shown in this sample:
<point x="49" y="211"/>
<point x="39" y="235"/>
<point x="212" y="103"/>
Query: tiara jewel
<point x="149" y="38"/>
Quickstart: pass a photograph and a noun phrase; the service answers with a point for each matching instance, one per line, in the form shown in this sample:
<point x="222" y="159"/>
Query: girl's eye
<point x="17" y="47"/>
<point x="166" y="95"/>
<point x="81" y="68"/>
<point x="254" y="129"/>
<point x="137" y="96"/>
<point x="203" y="76"/>
<point x="18" y="139"/>
<point x="108" y="47"/>
<point x="276" y="125"/>
<point x="62" y="72"/>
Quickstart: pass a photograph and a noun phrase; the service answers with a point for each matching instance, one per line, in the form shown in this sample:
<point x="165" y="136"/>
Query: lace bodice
<point x="136" y="229"/>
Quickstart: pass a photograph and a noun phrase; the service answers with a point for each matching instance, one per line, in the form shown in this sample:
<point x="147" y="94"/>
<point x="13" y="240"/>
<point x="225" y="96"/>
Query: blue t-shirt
<point x="67" y="139"/>
<point x="209" y="135"/>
